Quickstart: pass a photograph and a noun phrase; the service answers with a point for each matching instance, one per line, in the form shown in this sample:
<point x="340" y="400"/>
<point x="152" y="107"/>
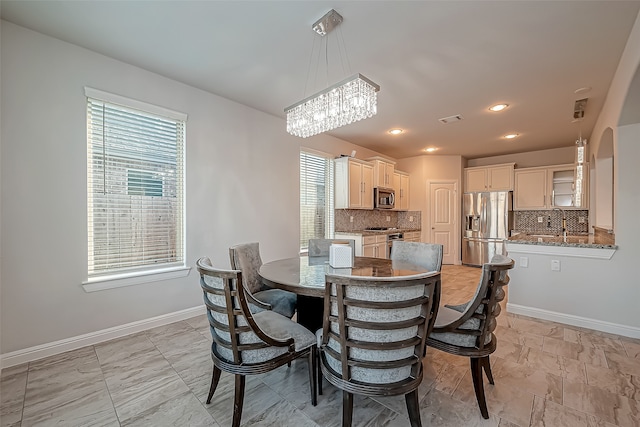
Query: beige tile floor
<point x="546" y="374"/>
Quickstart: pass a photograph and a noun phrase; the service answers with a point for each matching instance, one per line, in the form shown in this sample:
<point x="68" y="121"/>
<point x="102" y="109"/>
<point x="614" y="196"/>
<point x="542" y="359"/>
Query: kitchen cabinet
<point x="548" y="187"/>
<point x="401" y="187"/>
<point x="382" y="172"/>
<point x="412" y="236"/>
<point x="353" y="184"/>
<point x="374" y="246"/>
<point x="489" y="178"/>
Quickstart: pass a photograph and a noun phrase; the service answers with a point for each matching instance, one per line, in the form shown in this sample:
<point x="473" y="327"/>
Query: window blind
<point x="316" y="197"/>
<point x="135" y="185"/>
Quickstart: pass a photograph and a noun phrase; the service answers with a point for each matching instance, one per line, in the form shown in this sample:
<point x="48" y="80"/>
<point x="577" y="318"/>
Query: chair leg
<point x="478" y="385"/>
<point x="413" y="407"/>
<point x="486" y="364"/>
<point x="347" y="408"/>
<point x="313" y="357"/>
<point x="319" y="368"/>
<point x="238" y="400"/>
<point x="214" y="382"/>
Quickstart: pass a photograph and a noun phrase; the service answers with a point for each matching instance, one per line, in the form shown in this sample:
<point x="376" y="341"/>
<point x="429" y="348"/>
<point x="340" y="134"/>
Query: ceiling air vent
<point x="450" y="119"/>
<point x="579" y="107"/>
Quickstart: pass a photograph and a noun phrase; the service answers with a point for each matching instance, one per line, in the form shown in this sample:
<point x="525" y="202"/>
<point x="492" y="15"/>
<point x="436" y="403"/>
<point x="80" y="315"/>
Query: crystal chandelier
<point x="581" y="156"/>
<point x="343" y="103"/>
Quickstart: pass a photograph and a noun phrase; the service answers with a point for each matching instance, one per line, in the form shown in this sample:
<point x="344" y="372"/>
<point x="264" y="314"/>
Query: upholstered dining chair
<point x="373" y="336"/>
<point x="246" y="258"/>
<point x="426" y="255"/>
<point x="245" y="343"/>
<point x="320" y="247"/>
<point x="467" y="329"/>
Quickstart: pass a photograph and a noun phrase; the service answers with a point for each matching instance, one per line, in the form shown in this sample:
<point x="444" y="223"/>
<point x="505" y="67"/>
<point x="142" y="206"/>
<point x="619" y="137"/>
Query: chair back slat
<point x="237" y="338"/>
<point x="374" y="329"/>
<point x="478" y="319"/>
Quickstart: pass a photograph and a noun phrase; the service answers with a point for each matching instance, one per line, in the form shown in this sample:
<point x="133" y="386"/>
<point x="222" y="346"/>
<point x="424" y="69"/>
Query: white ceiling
<point x="432" y="59"/>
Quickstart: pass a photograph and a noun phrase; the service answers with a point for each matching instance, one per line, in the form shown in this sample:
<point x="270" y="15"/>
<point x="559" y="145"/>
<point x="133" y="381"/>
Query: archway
<point x="604" y="181"/>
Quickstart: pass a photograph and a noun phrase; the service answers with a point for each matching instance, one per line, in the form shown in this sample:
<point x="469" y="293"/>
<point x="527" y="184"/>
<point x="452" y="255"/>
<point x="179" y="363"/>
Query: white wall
<point x="553" y="156"/>
<point x="241" y="174"/>
<point x="607" y="292"/>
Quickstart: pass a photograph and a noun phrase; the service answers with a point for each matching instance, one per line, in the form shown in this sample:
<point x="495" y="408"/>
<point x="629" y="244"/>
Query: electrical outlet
<point x="555" y="265"/>
<point x="540" y="219"/>
<point x="388" y="218"/>
<point x="410" y="218"/>
<point x="524" y="261"/>
<point x="350" y="219"/>
<point x="581" y="220"/>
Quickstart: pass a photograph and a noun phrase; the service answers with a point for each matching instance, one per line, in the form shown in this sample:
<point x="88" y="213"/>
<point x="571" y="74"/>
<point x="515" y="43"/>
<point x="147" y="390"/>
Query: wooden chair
<point x="245" y="343"/>
<point x="467" y="329"/>
<point x="373" y="336"/>
<point x="426" y="255"/>
<point x="246" y="258"/>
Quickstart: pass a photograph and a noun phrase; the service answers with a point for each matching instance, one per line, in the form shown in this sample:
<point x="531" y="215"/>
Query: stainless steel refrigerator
<point x="487" y="222"/>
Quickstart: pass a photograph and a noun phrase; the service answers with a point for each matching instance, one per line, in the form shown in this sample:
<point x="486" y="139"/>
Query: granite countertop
<point x="379" y="232"/>
<point x="576" y="240"/>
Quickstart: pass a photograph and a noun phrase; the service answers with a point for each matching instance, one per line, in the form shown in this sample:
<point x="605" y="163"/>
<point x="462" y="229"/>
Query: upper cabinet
<point x="548" y="187"/>
<point x="382" y="172"/>
<point x="401" y="187"/>
<point x="489" y="178"/>
<point x="353" y="184"/>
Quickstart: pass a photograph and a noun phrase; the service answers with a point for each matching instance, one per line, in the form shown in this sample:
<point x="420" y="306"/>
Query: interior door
<point x="443" y="196"/>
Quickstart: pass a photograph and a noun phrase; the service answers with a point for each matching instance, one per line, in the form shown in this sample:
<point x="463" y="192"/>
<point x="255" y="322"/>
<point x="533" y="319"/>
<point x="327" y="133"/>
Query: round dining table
<point x="305" y="276"/>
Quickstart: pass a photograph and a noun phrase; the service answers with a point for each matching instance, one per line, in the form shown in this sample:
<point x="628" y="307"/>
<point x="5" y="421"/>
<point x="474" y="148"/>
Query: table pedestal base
<point x="310" y="310"/>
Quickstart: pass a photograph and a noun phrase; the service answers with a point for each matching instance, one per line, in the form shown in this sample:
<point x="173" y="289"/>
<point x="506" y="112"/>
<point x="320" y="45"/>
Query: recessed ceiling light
<point x="498" y="107"/>
<point x="430" y="149"/>
<point x="396" y="131"/>
<point x="511" y="135"/>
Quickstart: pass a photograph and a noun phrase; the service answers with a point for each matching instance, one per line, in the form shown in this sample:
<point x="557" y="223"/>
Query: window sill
<point x="122" y="280"/>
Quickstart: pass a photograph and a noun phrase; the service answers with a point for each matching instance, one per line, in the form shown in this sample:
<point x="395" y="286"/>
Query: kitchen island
<point x="561" y="279"/>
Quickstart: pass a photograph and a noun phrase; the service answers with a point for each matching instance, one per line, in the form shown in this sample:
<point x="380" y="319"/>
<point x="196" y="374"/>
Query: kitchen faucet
<point x="564" y="221"/>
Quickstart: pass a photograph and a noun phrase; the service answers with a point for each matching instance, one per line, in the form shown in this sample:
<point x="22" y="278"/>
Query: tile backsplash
<point x="527" y="221"/>
<point x="375" y="218"/>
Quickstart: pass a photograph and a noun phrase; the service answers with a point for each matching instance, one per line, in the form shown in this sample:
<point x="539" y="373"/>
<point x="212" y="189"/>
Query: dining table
<point x="305" y="276"/>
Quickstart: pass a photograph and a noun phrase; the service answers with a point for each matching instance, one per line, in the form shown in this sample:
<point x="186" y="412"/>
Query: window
<point x="135" y="186"/>
<point x="316" y="197"/>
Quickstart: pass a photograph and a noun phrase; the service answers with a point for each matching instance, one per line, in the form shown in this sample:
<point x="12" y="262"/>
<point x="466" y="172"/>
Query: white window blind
<point x="316" y="197"/>
<point x="135" y="177"/>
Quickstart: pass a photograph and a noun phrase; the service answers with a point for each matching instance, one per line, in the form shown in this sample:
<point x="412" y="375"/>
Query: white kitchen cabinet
<point x="530" y="189"/>
<point x="382" y="172"/>
<point x="548" y="187"/>
<point x="374" y="246"/>
<point x="412" y="236"/>
<point x="353" y="184"/>
<point x="401" y="187"/>
<point x="489" y="178"/>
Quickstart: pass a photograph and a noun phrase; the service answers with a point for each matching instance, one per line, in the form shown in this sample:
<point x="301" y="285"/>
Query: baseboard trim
<point x="568" y="319"/>
<point x="49" y="349"/>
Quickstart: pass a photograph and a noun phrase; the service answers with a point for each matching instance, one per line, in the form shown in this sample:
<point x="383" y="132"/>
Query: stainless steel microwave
<point x="384" y="198"/>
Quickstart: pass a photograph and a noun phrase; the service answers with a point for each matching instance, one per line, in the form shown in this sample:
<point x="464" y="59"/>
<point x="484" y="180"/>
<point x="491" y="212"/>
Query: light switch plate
<point x="524" y="261"/>
<point x="388" y="218"/>
<point x="555" y="265"/>
<point x="540" y="219"/>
